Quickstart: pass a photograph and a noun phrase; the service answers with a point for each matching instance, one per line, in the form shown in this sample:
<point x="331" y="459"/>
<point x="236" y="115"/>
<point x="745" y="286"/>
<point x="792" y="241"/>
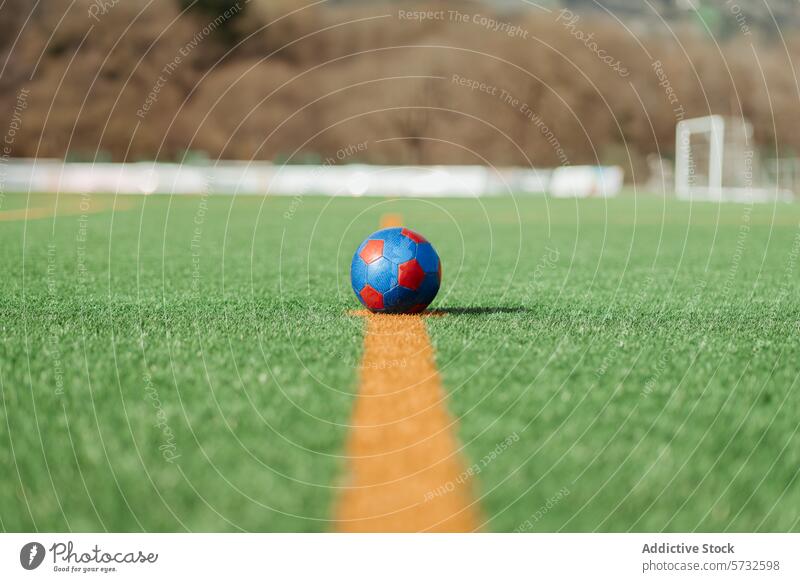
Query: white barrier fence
<point x="297" y="180"/>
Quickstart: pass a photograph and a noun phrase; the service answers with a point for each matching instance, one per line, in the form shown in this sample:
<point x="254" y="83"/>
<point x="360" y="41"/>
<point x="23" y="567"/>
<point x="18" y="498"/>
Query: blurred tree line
<point x="283" y="79"/>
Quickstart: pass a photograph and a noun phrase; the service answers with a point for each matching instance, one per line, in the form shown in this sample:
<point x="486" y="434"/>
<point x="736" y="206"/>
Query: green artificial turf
<point x="190" y="363"/>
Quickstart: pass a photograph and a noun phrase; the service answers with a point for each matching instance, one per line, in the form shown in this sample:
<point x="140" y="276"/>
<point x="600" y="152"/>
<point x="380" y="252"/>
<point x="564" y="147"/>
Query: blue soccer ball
<point x="395" y="270"/>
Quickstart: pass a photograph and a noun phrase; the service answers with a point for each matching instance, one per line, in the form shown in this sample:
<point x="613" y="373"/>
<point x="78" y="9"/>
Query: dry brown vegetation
<point x="281" y="85"/>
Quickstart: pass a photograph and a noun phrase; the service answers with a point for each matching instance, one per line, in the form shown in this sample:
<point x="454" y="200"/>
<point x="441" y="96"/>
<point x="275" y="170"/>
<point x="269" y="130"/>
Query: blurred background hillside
<point x="286" y="80"/>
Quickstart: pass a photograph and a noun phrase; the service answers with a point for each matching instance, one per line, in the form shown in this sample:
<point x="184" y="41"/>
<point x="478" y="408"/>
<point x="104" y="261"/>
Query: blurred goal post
<point x="715" y="160"/>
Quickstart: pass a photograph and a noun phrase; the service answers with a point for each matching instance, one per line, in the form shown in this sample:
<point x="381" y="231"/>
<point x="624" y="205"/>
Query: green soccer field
<point x="190" y="363"/>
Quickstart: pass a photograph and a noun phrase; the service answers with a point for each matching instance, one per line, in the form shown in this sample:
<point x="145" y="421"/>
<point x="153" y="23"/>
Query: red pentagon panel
<point x="410" y="274"/>
<point x="419" y="308"/>
<point x="440" y="271"/>
<point x="372" y="298"/>
<point x="417" y="238"/>
<point x="372" y="251"/>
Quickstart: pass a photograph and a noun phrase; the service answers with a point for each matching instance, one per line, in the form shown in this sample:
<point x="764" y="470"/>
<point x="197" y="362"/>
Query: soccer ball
<point x="395" y="270"/>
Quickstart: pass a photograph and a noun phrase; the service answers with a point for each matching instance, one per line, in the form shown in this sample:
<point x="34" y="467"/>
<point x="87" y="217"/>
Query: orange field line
<point x="69" y="208"/>
<point x="405" y="473"/>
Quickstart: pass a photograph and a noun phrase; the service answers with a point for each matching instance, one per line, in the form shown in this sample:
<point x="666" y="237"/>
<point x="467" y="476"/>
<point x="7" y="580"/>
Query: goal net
<point x="715" y="159"/>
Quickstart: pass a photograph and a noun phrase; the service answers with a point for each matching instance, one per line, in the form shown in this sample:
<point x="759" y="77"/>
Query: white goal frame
<point x="734" y="171"/>
<point x="714" y="126"/>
